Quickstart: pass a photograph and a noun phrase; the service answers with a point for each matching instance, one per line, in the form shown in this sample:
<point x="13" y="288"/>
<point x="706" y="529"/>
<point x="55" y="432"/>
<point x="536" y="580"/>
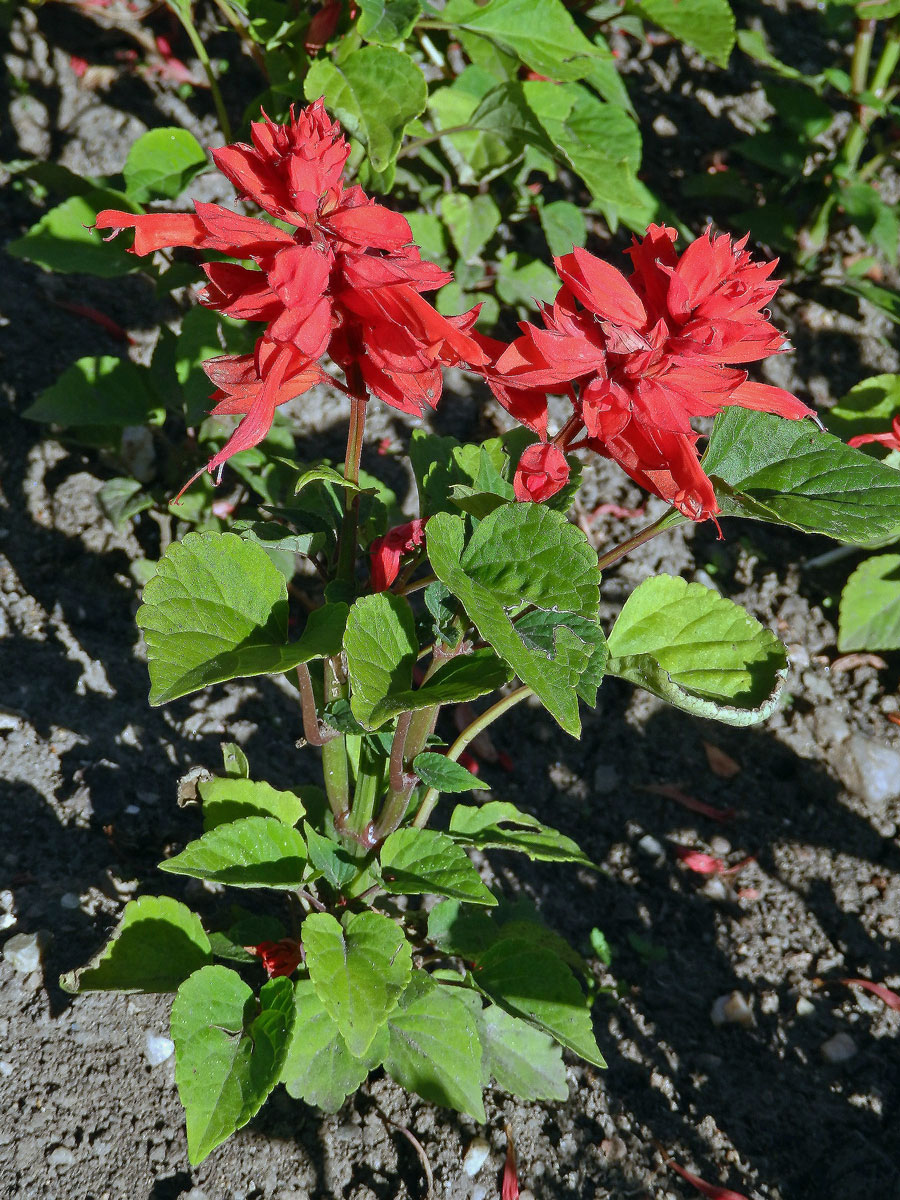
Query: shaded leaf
<point x="870" y="606"/>
<point x="425" y="862"/>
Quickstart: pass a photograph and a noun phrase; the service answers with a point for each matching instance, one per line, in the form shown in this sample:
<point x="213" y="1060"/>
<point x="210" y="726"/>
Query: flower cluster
<point x="345" y="279"/>
<point x="640" y="357"/>
<point x="336" y="273"/>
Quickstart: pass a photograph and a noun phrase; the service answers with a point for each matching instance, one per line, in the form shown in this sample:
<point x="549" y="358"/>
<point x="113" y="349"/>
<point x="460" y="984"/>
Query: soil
<point x="90" y="772"/>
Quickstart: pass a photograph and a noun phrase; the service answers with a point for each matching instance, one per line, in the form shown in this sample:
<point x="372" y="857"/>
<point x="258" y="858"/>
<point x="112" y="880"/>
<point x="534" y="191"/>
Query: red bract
<point x="890" y="439"/>
<point x="648" y="354"/>
<point x="278" y="958"/>
<point x="387" y="552"/>
<point x="346" y="280"/>
<point x="541" y="473"/>
<point x="881" y="990"/>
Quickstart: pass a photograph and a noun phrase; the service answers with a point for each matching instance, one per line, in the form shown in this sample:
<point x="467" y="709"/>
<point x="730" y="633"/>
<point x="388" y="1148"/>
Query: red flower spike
<point x="386" y="553"/>
<point x="346" y="281"/>
<point x="541" y="473"/>
<point x="278" y="958"/>
<point x="648" y="354"/>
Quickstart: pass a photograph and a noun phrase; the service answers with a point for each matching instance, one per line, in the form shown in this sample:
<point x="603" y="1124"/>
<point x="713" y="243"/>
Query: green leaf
<point x="101" y="390"/>
<point x="64" y="238"/>
<point x="319" y="1068"/>
<point x="381" y="647"/>
<point x="226" y="800"/>
<point x="434" y="1049"/>
<point x="472" y="221"/>
<point x="791" y="473"/>
<point x="869" y="407"/>
<point x="564" y="226"/>
<point x="525" y="553"/>
<point x="533" y="983"/>
<point x="707" y="25"/>
<point x="374" y="92"/>
<point x="698" y="650"/>
<point x="524" y="1061"/>
<point x="217" y="610"/>
<point x="440" y="772"/>
<point x="387" y="21"/>
<point x="229" y="1052"/>
<point x="358" y="972"/>
<point x="122" y="498"/>
<point x="162" y="163"/>
<point x="474" y="99"/>
<point x="870" y="606"/>
<point x="331" y="859"/>
<point x="157" y="944"/>
<point x="418" y="862"/>
<point x="600" y="142"/>
<point x="499" y="825"/>
<point x="251" y="852"/>
<point x="539" y="32"/>
<point x="526" y="283"/>
<point x="885" y="300"/>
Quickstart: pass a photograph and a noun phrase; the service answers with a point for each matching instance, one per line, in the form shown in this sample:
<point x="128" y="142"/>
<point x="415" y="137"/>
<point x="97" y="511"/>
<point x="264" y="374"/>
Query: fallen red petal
<point x="113" y="328"/>
<point x="720" y="763"/>
<point x="671" y="791"/>
<point x="510" y="1187"/>
<point x="881" y="990"/>
<point x="712" y="1190"/>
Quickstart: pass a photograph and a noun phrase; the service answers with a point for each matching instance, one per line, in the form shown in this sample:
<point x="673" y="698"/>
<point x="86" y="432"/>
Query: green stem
<point x="346" y="565"/>
<point x="419" y="728"/>
<point x="430" y="799"/>
<point x="855" y="141"/>
<point x="413" y="146"/>
<point x="668" y="520"/>
<point x="183" y="14"/>
<point x="335" y="767"/>
<point x="369" y="784"/>
<point x="862" y="53"/>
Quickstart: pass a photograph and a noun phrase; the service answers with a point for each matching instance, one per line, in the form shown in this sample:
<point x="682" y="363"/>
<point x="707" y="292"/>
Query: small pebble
<point x="6" y="1069"/>
<point x="157" y="1049"/>
<point x="719" y="845"/>
<point x="732" y="1009"/>
<point x="23" y="951"/>
<point x="479" y="1192"/>
<point x="838" y="1049"/>
<point x="7" y="920"/>
<point x="69" y="900"/>
<point x="60" y="1157"/>
<point x="614" y="1148"/>
<point x="526" y="1194"/>
<point x="476" y="1156"/>
<point x="101" y="1149"/>
<point x="650" y="846"/>
<point x="805" y="1008"/>
<point x="132" y="809"/>
<point x="717" y="888"/>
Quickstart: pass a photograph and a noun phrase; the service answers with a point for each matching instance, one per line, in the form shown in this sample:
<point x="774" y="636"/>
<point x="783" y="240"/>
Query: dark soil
<point x="89" y="775"/>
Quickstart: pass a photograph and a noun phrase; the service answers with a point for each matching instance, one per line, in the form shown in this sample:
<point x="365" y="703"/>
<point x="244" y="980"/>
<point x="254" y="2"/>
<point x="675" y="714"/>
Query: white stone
<point x="650" y="846"/>
<point x="157" y="1049"/>
<point x="23" y="952"/>
<point x="870" y="770"/>
<point x="69" y="900"/>
<point x="479" y="1192"/>
<point x="476" y="1156"/>
<point x="6" y="1069"/>
<point x="60" y="1157"/>
<point x="838" y="1049"/>
<point x="7" y="920"/>
<point x="732" y="1009"/>
<point x="132" y="810"/>
<point x="805" y="1008"/>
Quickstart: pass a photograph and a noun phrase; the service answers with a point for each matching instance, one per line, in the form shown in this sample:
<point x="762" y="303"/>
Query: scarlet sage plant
<point x="383" y="946"/>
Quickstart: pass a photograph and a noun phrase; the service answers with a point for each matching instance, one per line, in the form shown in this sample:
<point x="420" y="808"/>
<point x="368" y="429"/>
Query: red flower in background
<point x="386" y="553"/>
<point x="648" y="354"/>
<point x="278" y="958"/>
<point x="346" y="281"/>
<point x="541" y="473"/>
<point x="889" y="439"/>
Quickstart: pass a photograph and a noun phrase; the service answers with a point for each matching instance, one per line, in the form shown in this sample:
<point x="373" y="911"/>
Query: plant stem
<point x="313" y="729"/>
<point x="862" y="53"/>
<point x="855" y="142"/>
<point x="346" y="565"/>
<point x="430" y="799"/>
<point x="418" y="729"/>
<point x="567" y="434"/>
<point x="668" y="520"/>
<point x="183" y="14"/>
<point x="335" y="767"/>
<point x="413" y="146"/>
<point x="415" y="586"/>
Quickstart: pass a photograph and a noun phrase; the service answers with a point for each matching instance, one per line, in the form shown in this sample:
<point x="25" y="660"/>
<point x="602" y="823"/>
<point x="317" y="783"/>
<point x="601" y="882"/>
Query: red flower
<point x="279" y="958"/>
<point x="649" y="353"/>
<point x="388" y="551"/>
<point x="889" y="439"/>
<point x="541" y="473"/>
<point x="347" y="280"/>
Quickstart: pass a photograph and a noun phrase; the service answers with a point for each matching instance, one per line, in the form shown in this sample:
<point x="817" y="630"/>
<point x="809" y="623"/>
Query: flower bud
<point x="541" y="473"/>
